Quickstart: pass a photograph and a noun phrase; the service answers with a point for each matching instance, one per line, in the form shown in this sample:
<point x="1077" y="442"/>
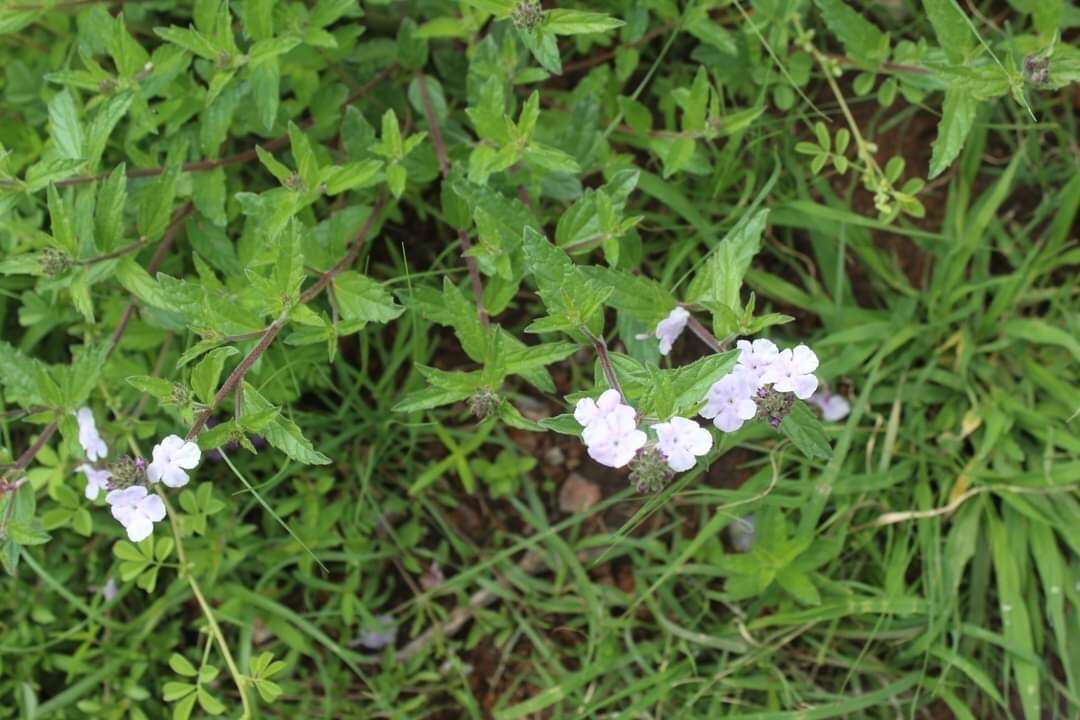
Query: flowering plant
<point x="313" y="314"/>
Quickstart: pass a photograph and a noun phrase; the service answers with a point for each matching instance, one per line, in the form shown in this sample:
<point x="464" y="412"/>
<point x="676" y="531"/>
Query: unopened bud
<point x="1037" y="69"/>
<point x="180" y="395"/>
<point x="127" y="471"/>
<point x="483" y="403"/>
<point x="527" y="15"/>
<point x="55" y="262"/>
<point x="773" y="406"/>
<point x="649" y="471"/>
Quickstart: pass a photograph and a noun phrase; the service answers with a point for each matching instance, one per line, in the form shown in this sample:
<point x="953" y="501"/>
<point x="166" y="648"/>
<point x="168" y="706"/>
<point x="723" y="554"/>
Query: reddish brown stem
<point x="444" y="169"/>
<point x="155" y="261"/>
<point x="706" y="337"/>
<point x="237" y="375"/>
<point x="605" y="360"/>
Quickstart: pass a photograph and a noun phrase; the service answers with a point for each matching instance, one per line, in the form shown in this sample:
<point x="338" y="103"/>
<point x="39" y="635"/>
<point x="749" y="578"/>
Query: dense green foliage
<point x="368" y="255"/>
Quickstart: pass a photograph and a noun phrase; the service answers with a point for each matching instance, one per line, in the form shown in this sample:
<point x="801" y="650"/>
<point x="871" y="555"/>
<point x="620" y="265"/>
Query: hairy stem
<point x="271" y="332"/>
<point x="605" y="361"/>
<point x="704" y="335"/>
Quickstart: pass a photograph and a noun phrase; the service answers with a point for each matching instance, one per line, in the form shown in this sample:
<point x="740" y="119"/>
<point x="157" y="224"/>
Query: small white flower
<point x="172" y="456"/>
<point x="792" y="371"/>
<point x="109" y="591"/>
<point x="136" y="510"/>
<point x="833" y="407"/>
<point x="755" y="358"/>
<point x="681" y="440"/>
<point x="91" y="441"/>
<point x="614" y="439"/>
<point x="587" y="410"/>
<point x="729" y="402"/>
<point x="96" y="480"/>
<point x="670" y="328"/>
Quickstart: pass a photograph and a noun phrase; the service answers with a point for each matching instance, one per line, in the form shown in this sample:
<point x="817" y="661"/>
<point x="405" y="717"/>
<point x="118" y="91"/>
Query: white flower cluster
<point x="762" y="373"/>
<point x="612" y="437"/>
<point x="135" y="507"/>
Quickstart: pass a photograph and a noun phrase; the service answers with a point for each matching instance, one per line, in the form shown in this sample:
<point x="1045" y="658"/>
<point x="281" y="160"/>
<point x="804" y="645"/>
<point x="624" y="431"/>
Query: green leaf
<point x="27" y="533"/>
<point x="283" y="433"/>
<point x="64" y="126"/>
<point x="805" y="431"/>
<point x="351" y="176"/>
<point x="173" y="691"/>
<point x="1043" y="333"/>
<point x="307" y="166"/>
<point x="156" y="204"/>
<point x="361" y="298"/>
<point x="205" y="375"/>
<point x="109" y="215"/>
<point x="576" y="22"/>
<point x="209" y="703"/>
<point x="181" y="665"/>
<point x="63" y="228"/>
<point x="544" y="47"/>
<point x="571" y="299"/>
<point x="798" y="585"/>
<point x="191" y="40"/>
<point x="957" y="118"/>
<point x="268" y="49"/>
<point x="951" y="28"/>
<point x="861" y="38"/>
<point x="639" y="297"/>
<point x="720" y="279"/>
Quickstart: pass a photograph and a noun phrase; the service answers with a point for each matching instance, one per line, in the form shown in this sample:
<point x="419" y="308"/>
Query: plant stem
<point x="271" y="332"/>
<point x="215" y="629"/>
<point x="704" y="335"/>
<point x="444" y="169"/>
<point x="605" y="361"/>
<point x="131" y="247"/>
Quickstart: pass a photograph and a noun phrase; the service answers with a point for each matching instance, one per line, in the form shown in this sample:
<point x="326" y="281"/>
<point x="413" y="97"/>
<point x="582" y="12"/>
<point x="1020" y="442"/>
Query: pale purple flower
<point x="97" y="481"/>
<point x="755" y="358"/>
<point x="681" y="440"/>
<point x="669" y="329"/>
<point x="588" y="410"/>
<point x="614" y="439"/>
<point x="91" y="441"/>
<point x="793" y="371"/>
<point x="730" y="402"/>
<point x="833" y="407"/>
<point x="382" y="634"/>
<point x="172" y="456"/>
<point x="136" y="510"/>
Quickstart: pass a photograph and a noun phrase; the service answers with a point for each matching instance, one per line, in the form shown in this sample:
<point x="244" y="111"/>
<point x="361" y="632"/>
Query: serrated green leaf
<point x="861" y="38"/>
<point x="957" y="118"/>
<point x="205" y="375"/>
<point x="362" y="298"/>
<point x="805" y="431"/>
<point x="64" y="126"/>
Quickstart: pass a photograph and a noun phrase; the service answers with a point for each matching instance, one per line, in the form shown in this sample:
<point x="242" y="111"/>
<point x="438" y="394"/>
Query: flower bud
<point x="1037" y="69"/>
<point x="774" y="406"/>
<point x="54" y="262"/>
<point x="649" y="471"/>
<point x="483" y="403"/>
<point x="527" y="15"/>
<point x="127" y="471"/>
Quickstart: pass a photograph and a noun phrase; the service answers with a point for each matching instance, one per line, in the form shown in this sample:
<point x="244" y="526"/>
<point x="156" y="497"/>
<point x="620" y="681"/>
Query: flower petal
<point x="804" y="386"/>
<point x="153" y="508"/>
